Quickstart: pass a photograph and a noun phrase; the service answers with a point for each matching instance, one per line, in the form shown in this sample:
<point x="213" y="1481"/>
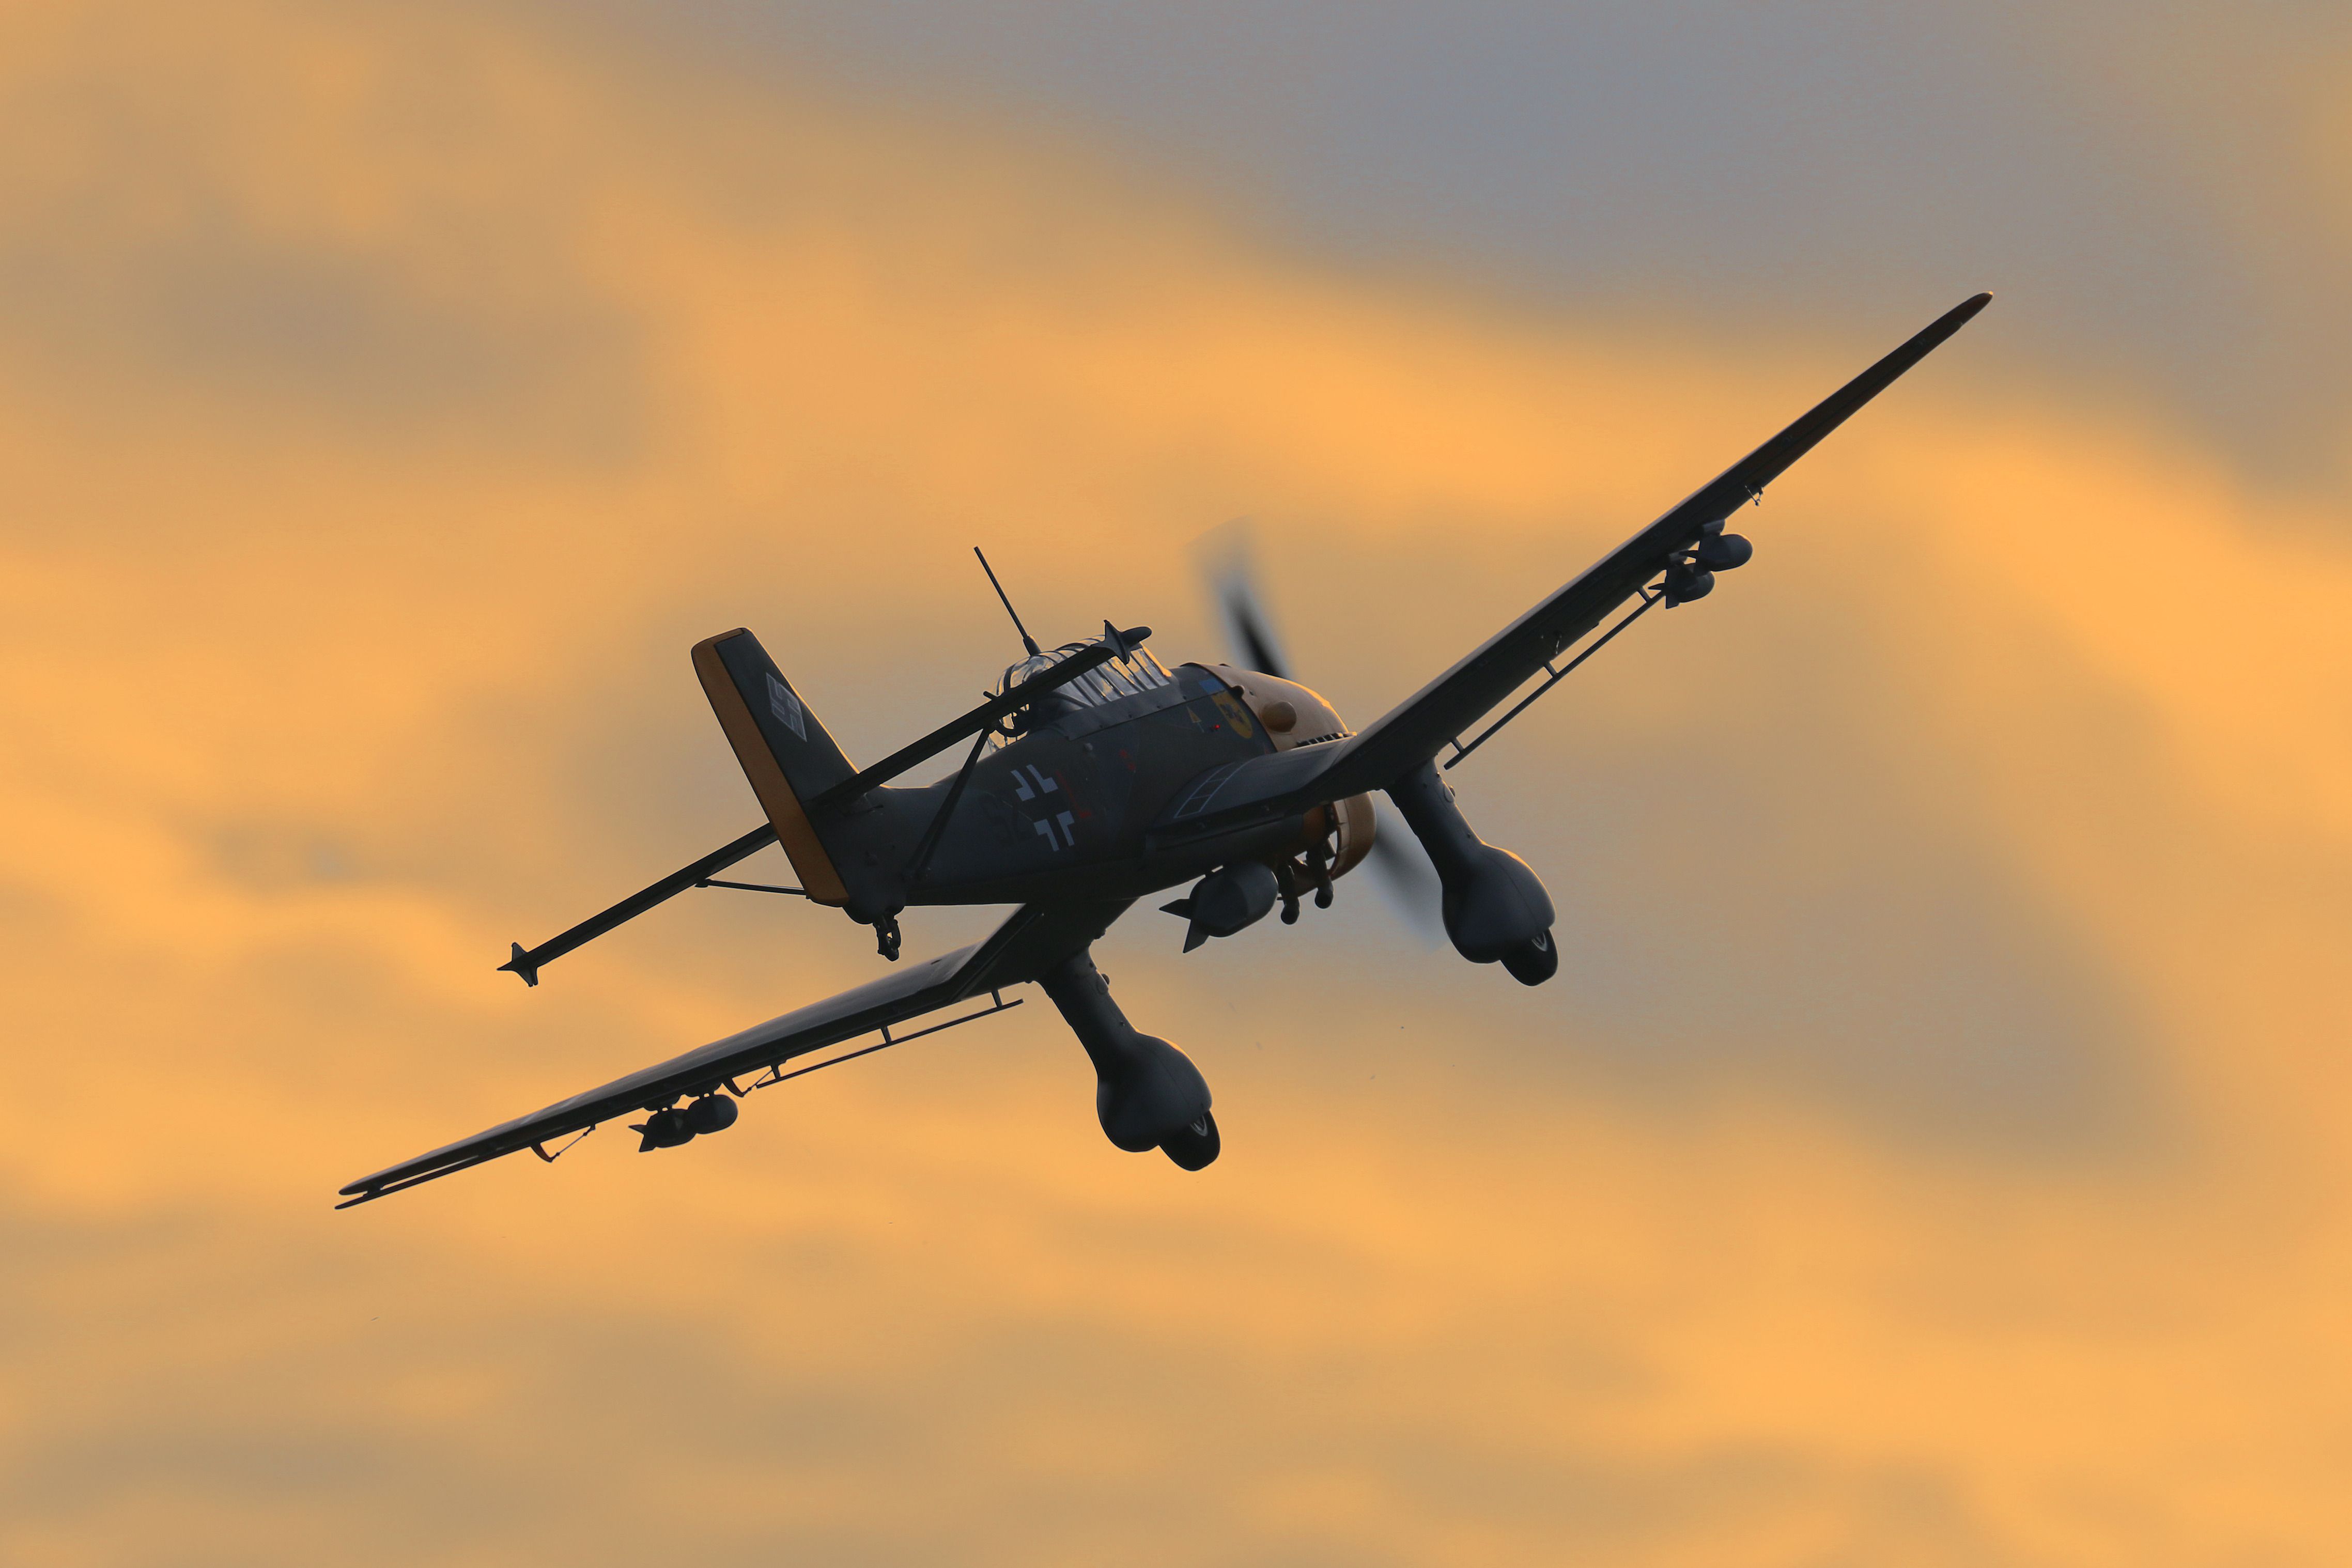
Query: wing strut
<point x="776" y="1074"/>
<point x="1650" y="596"/>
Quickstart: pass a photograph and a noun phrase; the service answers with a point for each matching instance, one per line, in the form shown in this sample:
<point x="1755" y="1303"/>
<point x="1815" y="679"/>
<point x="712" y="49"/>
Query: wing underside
<point x="1034" y="938"/>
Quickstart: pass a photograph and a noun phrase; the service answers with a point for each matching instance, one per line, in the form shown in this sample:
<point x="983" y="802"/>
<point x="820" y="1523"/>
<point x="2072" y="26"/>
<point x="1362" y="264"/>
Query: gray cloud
<point x="1756" y="170"/>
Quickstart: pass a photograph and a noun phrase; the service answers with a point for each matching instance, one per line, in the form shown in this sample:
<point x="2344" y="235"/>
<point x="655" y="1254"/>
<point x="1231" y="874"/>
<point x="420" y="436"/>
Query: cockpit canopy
<point x="1133" y="675"/>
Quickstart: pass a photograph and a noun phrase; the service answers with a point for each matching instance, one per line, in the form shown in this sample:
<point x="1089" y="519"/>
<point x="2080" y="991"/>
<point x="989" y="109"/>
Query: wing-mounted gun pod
<point x="1496" y="907"/>
<point x="671" y="1126"/>
<point x="1691" y="573"/>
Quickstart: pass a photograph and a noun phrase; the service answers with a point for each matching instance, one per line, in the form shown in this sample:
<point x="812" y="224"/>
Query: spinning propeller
<point x="1407" y="879"/>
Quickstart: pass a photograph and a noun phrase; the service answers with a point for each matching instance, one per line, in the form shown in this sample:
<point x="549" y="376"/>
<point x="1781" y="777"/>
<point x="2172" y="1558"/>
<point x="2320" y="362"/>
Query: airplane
<point x="1097" y="776"/>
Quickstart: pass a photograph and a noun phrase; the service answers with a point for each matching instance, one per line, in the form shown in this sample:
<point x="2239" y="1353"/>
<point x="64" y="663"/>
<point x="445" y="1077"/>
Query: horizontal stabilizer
<point x="528" y="964"/>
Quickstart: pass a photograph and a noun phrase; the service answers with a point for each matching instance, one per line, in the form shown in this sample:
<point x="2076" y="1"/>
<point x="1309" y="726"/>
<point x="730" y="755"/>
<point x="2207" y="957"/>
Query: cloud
<point x="2155" y="190"/>
<point x="1931" y="1152"/>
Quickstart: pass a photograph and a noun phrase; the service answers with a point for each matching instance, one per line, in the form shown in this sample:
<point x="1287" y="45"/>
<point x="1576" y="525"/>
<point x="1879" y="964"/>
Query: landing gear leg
<point x="1147" y="1093"/>
<point x="1496" y="907"/>
<point x="886" y="937"/>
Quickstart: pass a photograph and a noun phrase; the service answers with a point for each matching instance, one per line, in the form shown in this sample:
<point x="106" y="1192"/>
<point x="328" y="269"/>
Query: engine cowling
<point x="1294" y="716"/>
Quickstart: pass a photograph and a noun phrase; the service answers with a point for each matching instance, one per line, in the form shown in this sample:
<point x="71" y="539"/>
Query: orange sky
<point x="1933" y="1151"/>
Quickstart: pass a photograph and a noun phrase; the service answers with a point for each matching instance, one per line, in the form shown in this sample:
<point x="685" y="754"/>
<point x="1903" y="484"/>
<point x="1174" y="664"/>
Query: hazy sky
<point x="1932" y="1151"/>
<point x="2156" y="190"/>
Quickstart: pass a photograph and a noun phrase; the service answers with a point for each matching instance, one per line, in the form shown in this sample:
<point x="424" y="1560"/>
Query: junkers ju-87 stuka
<point x="1095" y="776"/>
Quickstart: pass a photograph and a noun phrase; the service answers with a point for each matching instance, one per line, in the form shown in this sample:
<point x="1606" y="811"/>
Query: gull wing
<point x="1033" y="940"/>
<point x="1415" y="731"/>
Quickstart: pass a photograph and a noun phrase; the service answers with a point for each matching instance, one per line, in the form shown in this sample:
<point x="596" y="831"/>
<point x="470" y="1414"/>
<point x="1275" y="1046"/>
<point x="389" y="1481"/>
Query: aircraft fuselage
<point x="1068" y="809"/>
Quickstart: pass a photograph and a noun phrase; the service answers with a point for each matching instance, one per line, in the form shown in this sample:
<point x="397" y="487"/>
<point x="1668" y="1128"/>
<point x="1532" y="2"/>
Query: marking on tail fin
<point x="786" y="707"/>
<point x="818" y="874"/>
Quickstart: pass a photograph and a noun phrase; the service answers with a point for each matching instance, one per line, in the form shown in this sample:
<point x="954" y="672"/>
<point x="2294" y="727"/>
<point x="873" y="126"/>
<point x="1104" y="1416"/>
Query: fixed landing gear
<point x="1495" y="908"/>
<point x="1147" y="1093"/>
<point x="1195" y="1146"/>
<point x="1534" y="961"/>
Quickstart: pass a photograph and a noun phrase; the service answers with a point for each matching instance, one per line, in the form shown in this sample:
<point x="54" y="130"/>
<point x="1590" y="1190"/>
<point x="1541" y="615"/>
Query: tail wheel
<point x="1534" y="961"/>
<point x="1194" y="1146"/>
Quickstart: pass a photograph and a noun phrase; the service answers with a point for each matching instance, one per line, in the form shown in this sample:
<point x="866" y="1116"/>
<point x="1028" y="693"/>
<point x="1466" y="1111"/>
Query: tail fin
<point x="784" y="751"/>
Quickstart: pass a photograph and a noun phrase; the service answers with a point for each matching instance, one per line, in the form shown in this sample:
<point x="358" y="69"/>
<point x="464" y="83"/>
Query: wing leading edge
<point x="1415" y="730"/>
<point x="1034" y="938"/>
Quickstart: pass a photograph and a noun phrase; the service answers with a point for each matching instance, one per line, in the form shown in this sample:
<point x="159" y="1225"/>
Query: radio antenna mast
<point x="1027" y="640"/>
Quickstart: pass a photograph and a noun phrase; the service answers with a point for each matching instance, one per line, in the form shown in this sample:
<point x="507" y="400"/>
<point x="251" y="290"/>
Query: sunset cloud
<point x="1931" y="1152"/>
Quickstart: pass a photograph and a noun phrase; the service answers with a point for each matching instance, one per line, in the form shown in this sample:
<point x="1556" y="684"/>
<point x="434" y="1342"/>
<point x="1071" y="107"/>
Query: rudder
<point x="784" y="751"/>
